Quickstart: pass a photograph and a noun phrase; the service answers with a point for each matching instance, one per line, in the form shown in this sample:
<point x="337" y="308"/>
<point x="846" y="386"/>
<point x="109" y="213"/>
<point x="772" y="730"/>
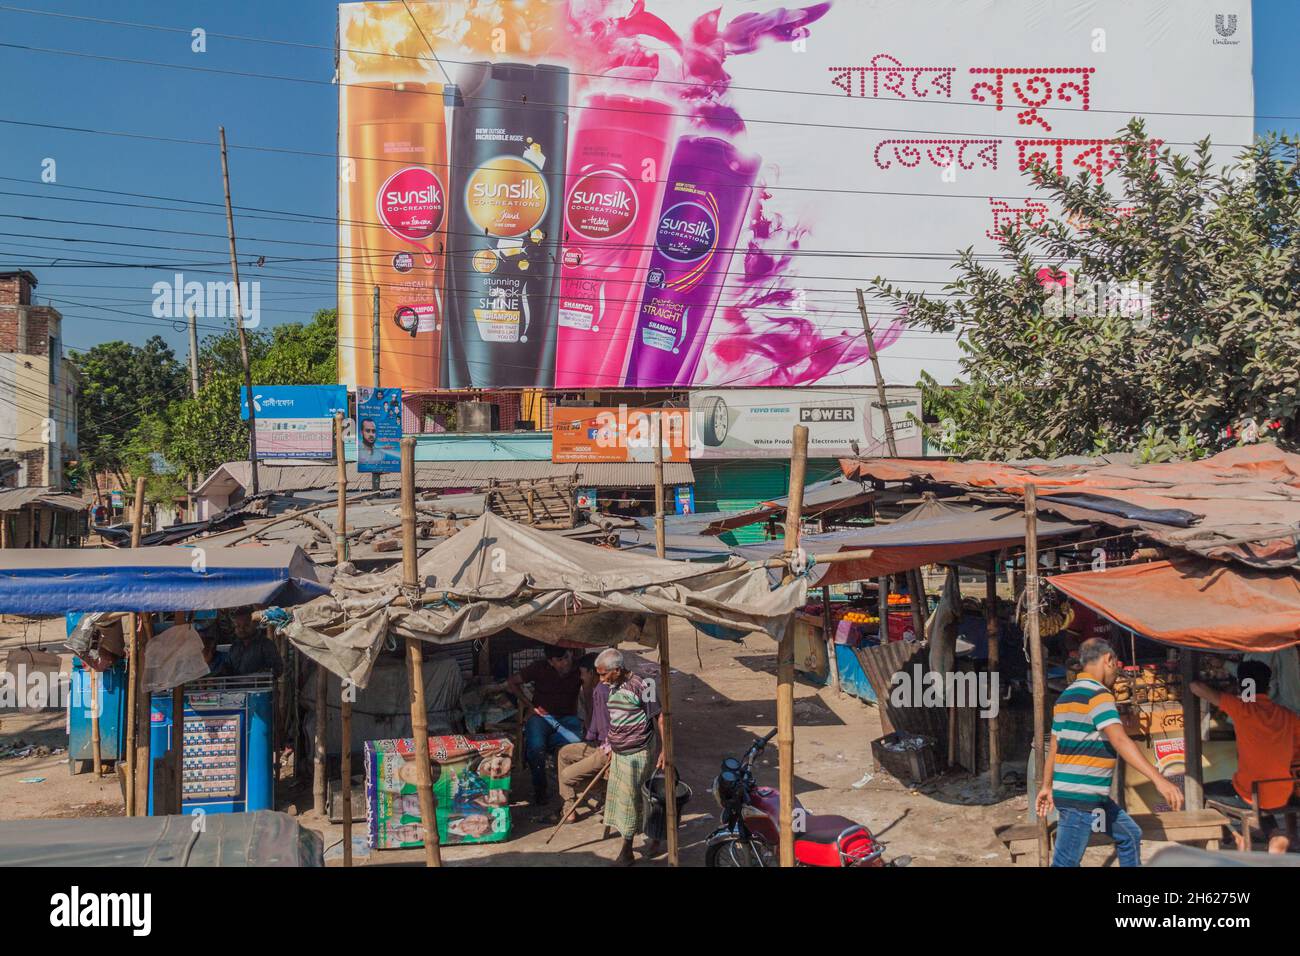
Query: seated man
<point x="554" y="720"/>
<point x="582" y="762"/>
<point x="1268" y="737"/>
<point x="250" y="652"/>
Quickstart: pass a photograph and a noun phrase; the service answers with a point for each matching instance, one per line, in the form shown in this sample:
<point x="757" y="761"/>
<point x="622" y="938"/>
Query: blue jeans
<point x="543" y="734"/>
<point x="1075" y="827"/>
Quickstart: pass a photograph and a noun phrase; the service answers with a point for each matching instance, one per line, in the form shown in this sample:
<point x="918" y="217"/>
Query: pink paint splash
<point x="762" y="319"/>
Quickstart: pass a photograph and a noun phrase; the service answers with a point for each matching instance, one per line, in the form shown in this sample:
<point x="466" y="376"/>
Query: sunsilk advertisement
<point x="688" y="193"/>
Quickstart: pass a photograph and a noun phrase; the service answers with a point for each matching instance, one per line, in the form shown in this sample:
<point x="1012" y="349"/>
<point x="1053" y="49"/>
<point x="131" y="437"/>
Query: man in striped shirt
<point x="1087" y="738"/>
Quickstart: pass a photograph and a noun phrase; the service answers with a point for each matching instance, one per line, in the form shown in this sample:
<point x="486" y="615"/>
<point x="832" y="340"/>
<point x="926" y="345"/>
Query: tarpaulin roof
<point x="930" y="533"/>
<point x="49" y="581"/>
<point x="820" y="497"/>
<point x="1194" y="603"/>
<point x="259" y="838"/>
<point x="1242" y="504"/>
<point x="495" y="574"/>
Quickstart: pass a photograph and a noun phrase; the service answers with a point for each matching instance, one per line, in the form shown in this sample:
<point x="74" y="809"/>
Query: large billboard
<point x="759" y="422"/>
<point x="604" y="193"/>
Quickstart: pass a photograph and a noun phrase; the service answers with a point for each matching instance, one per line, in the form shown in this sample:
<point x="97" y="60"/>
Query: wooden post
<point x="1035" y="653"/>
<point x="880" y="381"/>
<point x="178" y="746"/>
<point x="414" y="656"/>
<point x="882" y="597"/>
<point x="96" y="746"/>
<point x="346" y="691"/>
<point x="143" y="739"/>
<point x="828" y="633"/>
<point x="319" y="741"/>
<point x="665" y="670"/>
<point x="992" y="627"/>
<point x="239" y="314"/>
<point x="135" y="665"/>
<point x="785" y="653"/>
<point x="916" y="584"/>
<point x="1194" y="774"/>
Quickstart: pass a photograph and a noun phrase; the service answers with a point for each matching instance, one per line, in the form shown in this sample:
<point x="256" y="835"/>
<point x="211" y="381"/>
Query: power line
<point x="657" y="81"/>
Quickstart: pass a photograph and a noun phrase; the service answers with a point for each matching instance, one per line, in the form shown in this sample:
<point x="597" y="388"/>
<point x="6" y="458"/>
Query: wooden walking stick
<point x="581" y="797"/>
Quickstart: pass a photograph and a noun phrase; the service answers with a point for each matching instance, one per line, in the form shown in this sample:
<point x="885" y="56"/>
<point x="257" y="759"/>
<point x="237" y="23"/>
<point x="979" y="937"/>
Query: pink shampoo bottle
<point x="617" y="161"/>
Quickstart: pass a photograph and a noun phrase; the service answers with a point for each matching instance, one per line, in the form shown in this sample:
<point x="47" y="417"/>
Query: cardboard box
<point x="471" y="790"/>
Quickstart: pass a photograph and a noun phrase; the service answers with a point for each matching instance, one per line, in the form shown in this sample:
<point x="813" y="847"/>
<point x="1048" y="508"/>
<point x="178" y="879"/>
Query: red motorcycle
<point x="749" y="836"/>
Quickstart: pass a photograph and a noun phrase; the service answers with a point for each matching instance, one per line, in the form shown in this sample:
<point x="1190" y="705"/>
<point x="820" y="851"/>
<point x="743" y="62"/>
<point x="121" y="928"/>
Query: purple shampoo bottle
<point x="705" y="200"/>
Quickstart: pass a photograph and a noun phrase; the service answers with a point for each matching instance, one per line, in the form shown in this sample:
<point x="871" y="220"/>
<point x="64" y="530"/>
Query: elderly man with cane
<point x="634" y="717"/>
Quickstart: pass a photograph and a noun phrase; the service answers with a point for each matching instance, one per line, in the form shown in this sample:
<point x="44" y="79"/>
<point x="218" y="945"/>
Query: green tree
<point x="121" y="384"/>
<point x="204" y="431"/>
<point x="1213" y="255"/>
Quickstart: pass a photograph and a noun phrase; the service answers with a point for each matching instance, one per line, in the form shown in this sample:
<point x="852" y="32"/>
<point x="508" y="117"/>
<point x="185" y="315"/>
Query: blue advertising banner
<point x="379" y="429"/>
<point x="295" y="421"/>
<point x="295" y="401"/>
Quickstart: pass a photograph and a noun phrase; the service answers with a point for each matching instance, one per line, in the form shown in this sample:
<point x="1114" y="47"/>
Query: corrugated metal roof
<point x="633" y="474"/>
<point x="12" y="499"/>
<point x="450" y="474"/>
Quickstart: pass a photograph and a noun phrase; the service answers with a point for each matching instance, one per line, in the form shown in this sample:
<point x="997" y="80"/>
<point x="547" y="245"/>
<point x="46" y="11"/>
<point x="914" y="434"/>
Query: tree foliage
<point x="121" y="384"/>
<point x="1204" y="352"/>
<point x="137" y="416"/>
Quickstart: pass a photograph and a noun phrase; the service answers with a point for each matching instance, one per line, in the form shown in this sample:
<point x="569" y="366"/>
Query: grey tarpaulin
<point x="495" y="574"/>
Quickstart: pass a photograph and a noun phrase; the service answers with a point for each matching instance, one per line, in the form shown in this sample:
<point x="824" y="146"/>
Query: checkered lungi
<point x="623" y="791"/>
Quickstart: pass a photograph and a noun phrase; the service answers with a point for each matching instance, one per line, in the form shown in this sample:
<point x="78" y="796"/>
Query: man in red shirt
<point x="554" y="720"/>
<point x="1268" y="741"/>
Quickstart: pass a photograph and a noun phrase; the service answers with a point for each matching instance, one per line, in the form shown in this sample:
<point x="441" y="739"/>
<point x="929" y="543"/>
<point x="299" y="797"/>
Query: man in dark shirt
<point x="250" y="652"/>
<point x="554" y="721"/>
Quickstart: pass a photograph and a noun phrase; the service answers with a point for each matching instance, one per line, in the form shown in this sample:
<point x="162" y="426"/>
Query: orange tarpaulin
<point x="1206" y="605"/>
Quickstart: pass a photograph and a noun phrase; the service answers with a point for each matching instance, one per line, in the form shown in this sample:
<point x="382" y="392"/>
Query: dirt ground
<point x="720" y="700"/>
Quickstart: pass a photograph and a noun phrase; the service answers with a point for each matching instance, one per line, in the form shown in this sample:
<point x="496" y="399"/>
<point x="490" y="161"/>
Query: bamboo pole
<point x="96" y="746"/>
<point x="785" y="654"/>
<point x="882" y="598"/>
<point x="665" y="669"/>
<point x="319" y="739"/>
<point x="994" y="665"/>
<point x="135" y="662"/>
<point x="346" y="692"/>
<point x="143" y="739"/>
<point x="1035" y="653"/>
<point x="828" y="633"/>
<point x="1193" y="778"/>
<point x="414" y="656"/>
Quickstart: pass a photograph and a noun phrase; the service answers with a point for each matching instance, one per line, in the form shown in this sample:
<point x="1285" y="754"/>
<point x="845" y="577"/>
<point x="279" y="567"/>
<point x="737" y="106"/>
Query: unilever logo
<point x="1225" y="25"/>
<point x="686" y="232"/>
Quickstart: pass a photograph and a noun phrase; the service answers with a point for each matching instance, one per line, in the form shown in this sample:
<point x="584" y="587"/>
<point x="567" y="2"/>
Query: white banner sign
<point x="759" y="422"/>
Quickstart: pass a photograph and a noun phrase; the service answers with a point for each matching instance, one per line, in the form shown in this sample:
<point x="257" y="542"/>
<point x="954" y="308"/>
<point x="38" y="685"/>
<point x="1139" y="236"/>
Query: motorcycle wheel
<point x="738" y="853"/>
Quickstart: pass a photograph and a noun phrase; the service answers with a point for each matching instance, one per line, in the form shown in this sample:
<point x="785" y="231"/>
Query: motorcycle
<point x="749" y="835"/>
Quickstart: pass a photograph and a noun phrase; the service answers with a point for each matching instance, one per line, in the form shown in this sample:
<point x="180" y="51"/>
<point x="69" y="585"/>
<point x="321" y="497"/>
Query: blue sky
<point x="106" y="303"/>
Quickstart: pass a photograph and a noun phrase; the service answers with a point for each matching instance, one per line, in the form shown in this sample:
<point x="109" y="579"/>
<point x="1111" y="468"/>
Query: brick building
<point x="38" y="389"/>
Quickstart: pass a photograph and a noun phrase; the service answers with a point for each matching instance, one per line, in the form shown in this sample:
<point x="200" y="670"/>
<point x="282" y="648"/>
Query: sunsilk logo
<point x="426" y="196"/>
<point x="618" y="201"/>
<point x="601" y="206"/>
<point x="687" y="232"/>
<point x="527" y="191"/>
<point x="410" y="203"/>
<point x="701" y="230"/>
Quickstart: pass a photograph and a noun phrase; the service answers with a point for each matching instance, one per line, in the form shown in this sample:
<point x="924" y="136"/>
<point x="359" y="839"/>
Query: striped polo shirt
<point x="1085" y="760"/>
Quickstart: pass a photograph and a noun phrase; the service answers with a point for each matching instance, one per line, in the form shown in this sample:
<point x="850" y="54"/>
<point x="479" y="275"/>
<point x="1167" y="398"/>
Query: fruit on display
<point x="861" y="617"/>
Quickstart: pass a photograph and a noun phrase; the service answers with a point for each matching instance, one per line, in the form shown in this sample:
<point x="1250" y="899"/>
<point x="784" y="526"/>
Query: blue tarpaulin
<point x="49" y="581"/>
